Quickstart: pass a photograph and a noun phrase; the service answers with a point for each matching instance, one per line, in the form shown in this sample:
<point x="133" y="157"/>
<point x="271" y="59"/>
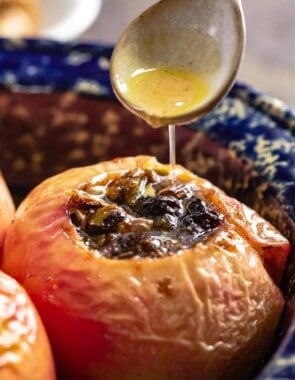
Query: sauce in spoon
<point x="177" y="60"/>
<point x="166" y="92"/>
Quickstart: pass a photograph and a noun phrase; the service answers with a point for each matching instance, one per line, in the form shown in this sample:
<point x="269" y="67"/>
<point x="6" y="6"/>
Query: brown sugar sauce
<point x="141" y="213"/>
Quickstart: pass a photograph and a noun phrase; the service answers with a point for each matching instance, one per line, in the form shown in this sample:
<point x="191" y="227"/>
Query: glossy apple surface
<point x="208" y="312"/>
<point x="25" y="353"/>
<point x="7" y="210"/>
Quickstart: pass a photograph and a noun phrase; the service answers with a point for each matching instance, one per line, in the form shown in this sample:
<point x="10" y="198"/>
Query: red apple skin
<point x="209" y="312"/>
<point x="7" y="210"/>
<point x="25" y="353"/>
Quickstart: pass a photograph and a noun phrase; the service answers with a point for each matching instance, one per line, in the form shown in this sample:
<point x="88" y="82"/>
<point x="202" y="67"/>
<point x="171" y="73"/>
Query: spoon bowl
<point x="200" y="37"/>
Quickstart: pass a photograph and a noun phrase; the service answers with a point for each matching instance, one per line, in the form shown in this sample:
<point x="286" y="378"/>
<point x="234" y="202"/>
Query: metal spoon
<point x="202" y="37"/>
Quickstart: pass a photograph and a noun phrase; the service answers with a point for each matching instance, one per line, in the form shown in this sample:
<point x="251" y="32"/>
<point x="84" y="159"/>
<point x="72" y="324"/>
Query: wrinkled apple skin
<point x="206" y="313"/>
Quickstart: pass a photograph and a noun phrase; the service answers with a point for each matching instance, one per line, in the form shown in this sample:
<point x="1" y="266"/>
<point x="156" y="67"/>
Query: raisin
<point x="196" y="206"/>
<point x="111" y="222"/>
<point x="210" y="220"/>
<point x="158" y="206"/>
<point x="191" y="221"/>
<point x="108" y="224"/>
<point x="205" y="220"/>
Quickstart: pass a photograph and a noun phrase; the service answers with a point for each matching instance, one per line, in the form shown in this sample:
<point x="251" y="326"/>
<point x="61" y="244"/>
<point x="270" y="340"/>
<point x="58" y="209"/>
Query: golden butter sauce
<point x="166" y="92"/>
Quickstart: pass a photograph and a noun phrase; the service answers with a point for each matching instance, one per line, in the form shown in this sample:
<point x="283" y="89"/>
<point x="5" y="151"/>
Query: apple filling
<point x="140" y="213"/>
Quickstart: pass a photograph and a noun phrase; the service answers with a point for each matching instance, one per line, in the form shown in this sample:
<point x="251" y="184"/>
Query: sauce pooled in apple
<point x="142" y="213"/>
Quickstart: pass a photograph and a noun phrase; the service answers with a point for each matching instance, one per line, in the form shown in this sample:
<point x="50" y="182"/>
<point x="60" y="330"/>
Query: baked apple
<point x="141" y="272"/>
<point x="25" y="352"/>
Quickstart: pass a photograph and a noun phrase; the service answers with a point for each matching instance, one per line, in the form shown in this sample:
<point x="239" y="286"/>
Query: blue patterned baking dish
<point x="57" y="98"/>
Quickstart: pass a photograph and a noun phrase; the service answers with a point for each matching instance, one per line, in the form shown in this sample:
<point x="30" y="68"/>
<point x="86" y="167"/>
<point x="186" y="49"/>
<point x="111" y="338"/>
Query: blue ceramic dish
<point x="245" y="146"/>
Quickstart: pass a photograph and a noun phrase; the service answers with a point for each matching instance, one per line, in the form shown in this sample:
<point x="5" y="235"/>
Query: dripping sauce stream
<point x="172" y="153"/>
